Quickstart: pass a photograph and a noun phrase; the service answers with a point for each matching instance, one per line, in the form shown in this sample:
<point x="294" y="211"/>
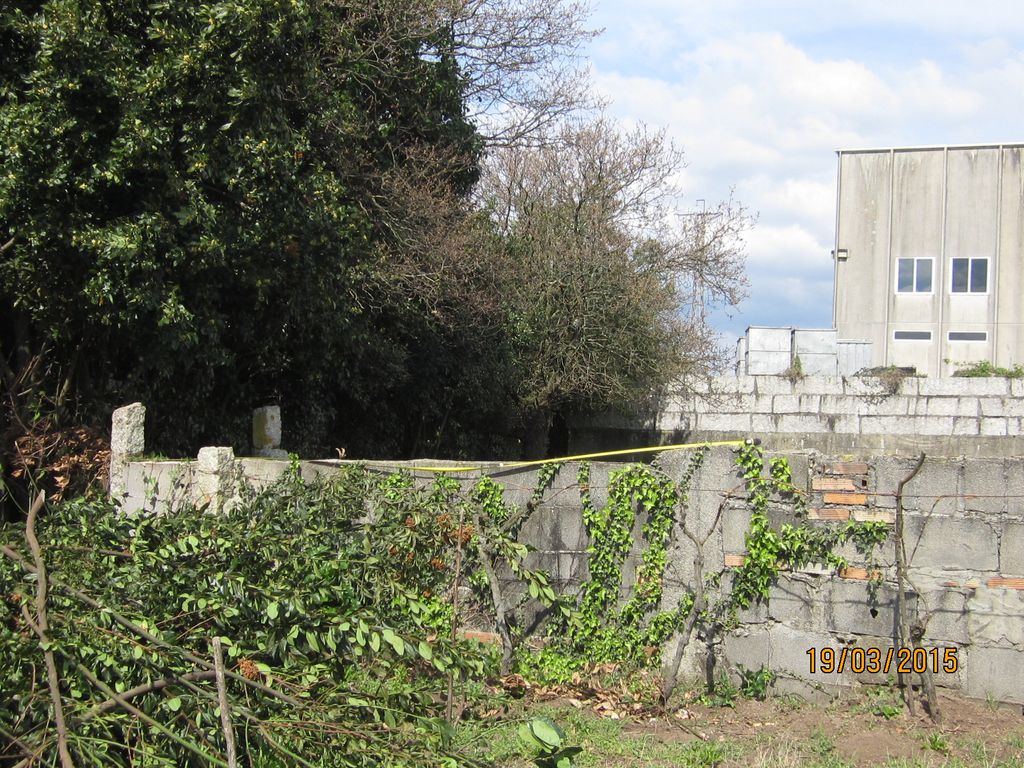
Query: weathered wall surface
<point x="964" y="541"/>
<point x="853" y="415"/>
<point x="964" y="538"/>
<point x="934" y="204"/>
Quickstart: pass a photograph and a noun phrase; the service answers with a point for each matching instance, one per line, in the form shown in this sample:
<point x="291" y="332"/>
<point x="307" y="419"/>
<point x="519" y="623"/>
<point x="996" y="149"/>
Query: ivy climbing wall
<point x="963" y="534"/>
<point x="731" y="559"/>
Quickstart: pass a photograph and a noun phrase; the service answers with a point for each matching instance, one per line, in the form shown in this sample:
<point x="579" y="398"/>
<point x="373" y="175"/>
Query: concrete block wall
<point x="859" y="415"/>
<point x="964" y="541"/>
<point x="964" y="538"/>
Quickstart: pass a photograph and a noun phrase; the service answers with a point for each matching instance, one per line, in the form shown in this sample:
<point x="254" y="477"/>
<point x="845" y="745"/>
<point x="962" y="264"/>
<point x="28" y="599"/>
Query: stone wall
<point x="964" y="542"/>
<point x="846" y="415"/>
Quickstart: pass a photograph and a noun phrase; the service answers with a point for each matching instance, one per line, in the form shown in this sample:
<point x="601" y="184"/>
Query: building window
<point x="968" y="336"/>
<point x="970" y="275"/>
<point x="912" y="335"/>
<point x="914" y="275"/>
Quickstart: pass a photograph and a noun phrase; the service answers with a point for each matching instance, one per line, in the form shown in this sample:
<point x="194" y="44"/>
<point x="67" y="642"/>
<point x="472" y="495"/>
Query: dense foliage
<point x="209" y="207"/>
<point x="607" y="282"/>
<point x="199" y="206"/>
<point x="331" y="600"/>
<point x="339" y="604"/>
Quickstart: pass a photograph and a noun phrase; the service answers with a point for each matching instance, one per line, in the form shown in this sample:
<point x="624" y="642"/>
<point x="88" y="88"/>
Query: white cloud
<point x="766" y="65"/>
<point x="761" y="95"/>
<point x="927" y="90"/>
<point x="806" y="201"/>
<point x="773" y="249"/>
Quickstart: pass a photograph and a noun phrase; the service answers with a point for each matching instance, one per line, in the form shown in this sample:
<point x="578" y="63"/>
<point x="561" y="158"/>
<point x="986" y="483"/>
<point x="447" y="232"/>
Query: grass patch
<point x="609" y="743"/>
<point x="882" y="701"/>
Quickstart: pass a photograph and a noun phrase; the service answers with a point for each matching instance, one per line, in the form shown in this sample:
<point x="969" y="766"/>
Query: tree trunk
<point x="536" y="434"/>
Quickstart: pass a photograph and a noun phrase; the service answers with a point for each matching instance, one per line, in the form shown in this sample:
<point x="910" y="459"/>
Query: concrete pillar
<point x="215" y="478"/>
<point x="266" y="432"/>
<point x="127" y="441"/>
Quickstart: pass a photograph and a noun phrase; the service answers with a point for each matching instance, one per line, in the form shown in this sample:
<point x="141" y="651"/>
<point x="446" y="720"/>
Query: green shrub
<point x="329" y="599"/>
<point x="985" y="369"/>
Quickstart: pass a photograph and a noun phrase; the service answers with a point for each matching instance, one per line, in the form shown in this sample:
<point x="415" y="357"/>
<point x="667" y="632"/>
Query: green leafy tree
<point x="212" y="206"/>
<point x="605" y="294"/>
<point x="195" y="199"/>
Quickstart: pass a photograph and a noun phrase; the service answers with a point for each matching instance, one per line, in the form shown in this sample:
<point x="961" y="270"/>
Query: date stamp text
<point x="903" y="661"/>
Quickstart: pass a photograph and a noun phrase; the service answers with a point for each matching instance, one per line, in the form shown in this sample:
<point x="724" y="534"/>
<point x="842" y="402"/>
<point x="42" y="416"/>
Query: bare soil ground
<point x="858" y="729"/>
<point x="859" y="733"/>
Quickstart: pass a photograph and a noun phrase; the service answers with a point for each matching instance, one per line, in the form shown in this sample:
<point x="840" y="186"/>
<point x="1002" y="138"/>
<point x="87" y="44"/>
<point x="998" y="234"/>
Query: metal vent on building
<point x="912" y="335"/>
<point x="968" y="336"/>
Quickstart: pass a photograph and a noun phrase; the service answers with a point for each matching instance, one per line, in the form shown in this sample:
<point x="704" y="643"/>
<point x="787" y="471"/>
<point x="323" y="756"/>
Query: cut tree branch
<point x="141" y="690"/>
<point x="127" y="706"/>
<point x="41" y="626"/>
<point x="149" y="636"/>
<point x="222" y="700"/>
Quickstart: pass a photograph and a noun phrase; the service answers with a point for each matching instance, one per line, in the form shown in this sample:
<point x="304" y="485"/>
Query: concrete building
<point x="929" y="265"/>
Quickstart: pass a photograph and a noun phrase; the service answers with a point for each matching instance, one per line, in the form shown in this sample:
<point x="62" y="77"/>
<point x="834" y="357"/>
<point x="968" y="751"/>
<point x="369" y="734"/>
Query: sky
<point x="760" y="95"/>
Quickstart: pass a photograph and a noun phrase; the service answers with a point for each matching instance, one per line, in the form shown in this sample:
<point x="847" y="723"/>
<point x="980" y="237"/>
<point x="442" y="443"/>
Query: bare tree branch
<point x="611" y="281"/>
<point x="902" y="616"/>
<point x="522" y="64"/>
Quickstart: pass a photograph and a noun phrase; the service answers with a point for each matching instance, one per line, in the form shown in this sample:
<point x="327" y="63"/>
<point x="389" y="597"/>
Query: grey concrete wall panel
<point x="851" y="609"/>
<point x="818" y="351"/>
<point x="983" y="487"/>
<point x="769" y="350"/>
<point x="158" y="487"/>
<point x="994" y="618"/>
<point x="946" y="612"/>
<point x="1008" y="333"/>
<point x="942" y="543"/>
<point x="1011" y="550"/>
<point x="853" y="356"/>
<point x="862" y="279"/>
<point x="995" y="673"/>
<point x="865" y="415"/>
<point x="937" y="204"/>
<point x="765" y="339"/>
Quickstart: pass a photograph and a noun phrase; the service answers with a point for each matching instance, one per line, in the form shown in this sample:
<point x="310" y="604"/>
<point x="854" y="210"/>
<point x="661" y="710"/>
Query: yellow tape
<point x="579" y="457"/>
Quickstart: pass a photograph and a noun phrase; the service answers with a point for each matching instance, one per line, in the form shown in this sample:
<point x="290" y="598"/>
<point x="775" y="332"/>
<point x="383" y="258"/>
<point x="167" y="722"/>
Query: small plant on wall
<point x="795" y="372"/>
<point x="985" y="369"/>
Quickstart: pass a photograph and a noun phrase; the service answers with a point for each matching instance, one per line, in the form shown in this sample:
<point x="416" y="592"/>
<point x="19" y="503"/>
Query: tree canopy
<point x="606" y="286"/>
<point x="213" y="206"/>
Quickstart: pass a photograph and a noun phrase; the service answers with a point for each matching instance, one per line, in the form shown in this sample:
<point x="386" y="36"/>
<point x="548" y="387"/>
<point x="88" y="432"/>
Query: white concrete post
<point x="127" y="440"/>
<point x="215" y="478"/>
<point x="266" y="432"/>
